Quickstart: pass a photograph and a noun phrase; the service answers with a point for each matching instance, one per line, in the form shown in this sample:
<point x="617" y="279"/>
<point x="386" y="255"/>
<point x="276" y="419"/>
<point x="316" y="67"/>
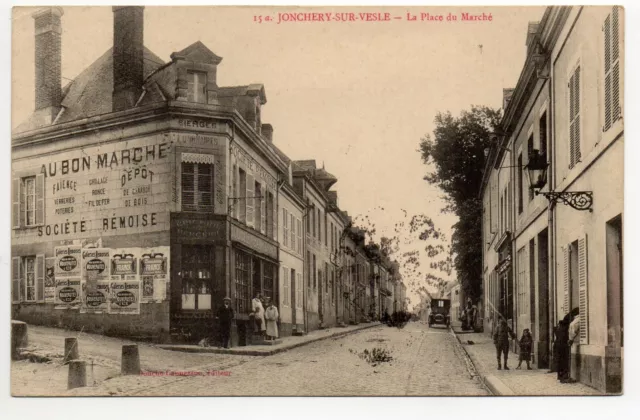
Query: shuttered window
<point x="292" y="219"/>
<point x="197" y="87"/>
<point x="285" y="227"/>
<point x="234" y="191"/>
<point x="263" y="209"/>
<point x="257" y="194"/>
<point x="299" y="233"/>
<point x="523" y="309"/>
<point x="240" y="203"/>
<point x="612" y="108"/>
<point x="28" y="201"/>
<point x="27" y="275"/>
<point x="250" y="201"/>
<point x="197" y="186"/>
<point x="269" y="214"/>
<point x="574" y="118"/>
<point x="520" y="184"/>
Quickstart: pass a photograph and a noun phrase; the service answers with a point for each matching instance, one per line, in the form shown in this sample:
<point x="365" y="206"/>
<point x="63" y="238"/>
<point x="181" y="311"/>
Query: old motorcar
<point x="439" y="313"/>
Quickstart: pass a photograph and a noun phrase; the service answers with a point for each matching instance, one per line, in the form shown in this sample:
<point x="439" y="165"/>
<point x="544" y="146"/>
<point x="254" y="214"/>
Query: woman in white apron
<point x="271" y="315"/>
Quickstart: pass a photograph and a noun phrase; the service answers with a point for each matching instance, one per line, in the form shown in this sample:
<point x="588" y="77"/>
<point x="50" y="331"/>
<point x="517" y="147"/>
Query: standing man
<point x="501" y="341"/>
<point x="224" y="317"/>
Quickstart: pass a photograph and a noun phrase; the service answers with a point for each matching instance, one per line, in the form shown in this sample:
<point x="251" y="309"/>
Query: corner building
<point x="143" y="177"/>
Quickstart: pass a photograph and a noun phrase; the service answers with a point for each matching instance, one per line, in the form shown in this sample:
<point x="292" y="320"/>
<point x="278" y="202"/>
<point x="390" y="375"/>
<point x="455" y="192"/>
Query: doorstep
<point x="282" y="345"/>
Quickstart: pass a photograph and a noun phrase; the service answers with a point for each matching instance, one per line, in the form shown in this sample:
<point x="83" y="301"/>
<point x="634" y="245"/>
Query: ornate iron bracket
<point x="579" y="200"/>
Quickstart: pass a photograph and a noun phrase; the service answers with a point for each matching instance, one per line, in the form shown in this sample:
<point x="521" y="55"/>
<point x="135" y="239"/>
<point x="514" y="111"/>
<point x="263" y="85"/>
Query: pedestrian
<point x="553" y="366"/>
<point x="501" y="341"/>
<point x="258" y="313"/>
<point x="526" y="342"/>
<point x="225" y="317"/>
<point x="564" y="342"/>
<point x="271" y="315"/>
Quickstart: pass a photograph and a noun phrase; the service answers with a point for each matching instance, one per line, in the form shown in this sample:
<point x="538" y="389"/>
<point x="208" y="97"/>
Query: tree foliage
<point x="455" y="156"/>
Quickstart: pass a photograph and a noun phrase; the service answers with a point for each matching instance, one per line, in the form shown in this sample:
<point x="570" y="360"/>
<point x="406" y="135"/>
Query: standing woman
<point x="258" y="313"/>
<point x="271" y="316"/>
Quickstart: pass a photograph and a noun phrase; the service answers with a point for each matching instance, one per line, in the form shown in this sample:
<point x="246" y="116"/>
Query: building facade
<point x="562" y="148"/>
<point x="155" y="192"/>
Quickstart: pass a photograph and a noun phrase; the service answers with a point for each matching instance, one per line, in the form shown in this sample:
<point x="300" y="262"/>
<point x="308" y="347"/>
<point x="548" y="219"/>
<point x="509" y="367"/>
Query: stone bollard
<point x="18" y="338"/>
<point x="77" y="374"/>
<point x="70" y="350"/>
<point x="130" y="364"/>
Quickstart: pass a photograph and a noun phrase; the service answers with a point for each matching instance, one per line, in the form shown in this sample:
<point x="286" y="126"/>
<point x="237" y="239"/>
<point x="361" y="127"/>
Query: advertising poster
<point x="124" y="264"/>
<point x="124" y="297"/>
<point x="50" y="280"/>
<point x="67" y="261"/>
<point x="95" y="300"/>
<point x="67" y="293"/>
<point x="154" y="270"/>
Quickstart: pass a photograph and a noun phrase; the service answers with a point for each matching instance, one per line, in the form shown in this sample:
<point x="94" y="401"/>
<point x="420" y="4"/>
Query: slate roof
<point x="89" y="94"/>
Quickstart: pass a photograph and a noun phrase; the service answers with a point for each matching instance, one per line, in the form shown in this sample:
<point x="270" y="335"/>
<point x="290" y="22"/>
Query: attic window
<point x="197" y="91"/>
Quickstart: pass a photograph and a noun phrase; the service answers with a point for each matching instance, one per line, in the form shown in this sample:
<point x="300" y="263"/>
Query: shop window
<point x="269" y="281"/>
<point x="196" y="278"/>
<point x="243" y="263"/>
<point x="197" y="187"/>
<point x="197" y="87"/>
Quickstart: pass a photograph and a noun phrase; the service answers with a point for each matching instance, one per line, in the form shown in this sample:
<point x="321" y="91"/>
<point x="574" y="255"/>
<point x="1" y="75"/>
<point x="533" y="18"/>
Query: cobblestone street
<point x="424" y="362"/>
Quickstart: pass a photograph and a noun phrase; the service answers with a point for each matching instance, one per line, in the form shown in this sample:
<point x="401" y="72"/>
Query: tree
<point x="455" y="154"/>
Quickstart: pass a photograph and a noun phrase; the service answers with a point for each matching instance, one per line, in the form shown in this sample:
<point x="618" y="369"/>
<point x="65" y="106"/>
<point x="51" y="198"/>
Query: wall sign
<point x="187" y="229"/>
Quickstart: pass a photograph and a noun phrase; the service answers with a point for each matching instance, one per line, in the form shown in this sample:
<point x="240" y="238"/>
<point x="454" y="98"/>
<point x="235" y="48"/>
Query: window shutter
<point x="263" y="207"/>
<point x="567" y="261"/>
<point x="576" y="120"/>
<point x="292" y="220"/>
<point x="583" y="290"/>
<point x="40" y="199"/>
<point x="615" y="55"/>
<point x="16" y="271"/>
<point x="250" y="192"/>
<point x="274" y="211"/>
<point x="16" y="208"/>
<point x="22" y="280"/>
<point x="40" y="272"/>
<point x="23" y="205"/>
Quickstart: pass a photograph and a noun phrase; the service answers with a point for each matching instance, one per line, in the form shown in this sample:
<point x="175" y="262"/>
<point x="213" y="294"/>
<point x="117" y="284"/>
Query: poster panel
<point x="67" y="261"/>
<point x="67" y="293"/>
<point x="154" y="271"/>
<point x="50" y="280"/>
<point x="124" y="297"/>
<point x="96" y="300"/>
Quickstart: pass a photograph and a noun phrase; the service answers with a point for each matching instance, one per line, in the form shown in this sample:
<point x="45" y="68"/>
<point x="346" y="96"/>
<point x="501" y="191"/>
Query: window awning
<point x="197" y="158"/>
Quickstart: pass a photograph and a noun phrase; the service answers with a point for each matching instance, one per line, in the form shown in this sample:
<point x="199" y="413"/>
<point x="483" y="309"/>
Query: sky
<point x="355" y="96"/>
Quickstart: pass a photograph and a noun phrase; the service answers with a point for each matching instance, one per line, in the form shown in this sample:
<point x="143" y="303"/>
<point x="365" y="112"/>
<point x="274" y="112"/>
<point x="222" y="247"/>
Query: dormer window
<point x="197" y="90"/>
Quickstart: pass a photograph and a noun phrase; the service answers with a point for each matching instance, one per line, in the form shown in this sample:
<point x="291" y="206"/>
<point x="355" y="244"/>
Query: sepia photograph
<point x="316" y="201"/>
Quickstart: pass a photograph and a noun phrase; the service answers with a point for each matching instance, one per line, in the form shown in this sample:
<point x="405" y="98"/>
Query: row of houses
<point x="553" y="193"/>
<point x="143" y="194"/>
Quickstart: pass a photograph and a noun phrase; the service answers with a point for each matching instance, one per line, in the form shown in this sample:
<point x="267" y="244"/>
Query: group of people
<point x="396" y="319"/>
<point x="564" y="336"/>
<point x="469" y="316"/>
<point x="266" y="320"/>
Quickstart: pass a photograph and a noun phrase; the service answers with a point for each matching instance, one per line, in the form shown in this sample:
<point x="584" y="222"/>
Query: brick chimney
<point x="48" y="60"/>
<point x="267" y="132"/>
<point x="128" y="64"/>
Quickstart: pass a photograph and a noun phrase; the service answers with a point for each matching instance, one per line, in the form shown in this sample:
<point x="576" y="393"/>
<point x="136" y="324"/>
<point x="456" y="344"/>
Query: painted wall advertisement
<point x="154" y="269"/>
<point x="67" y="269"/>
<point x="96" y="264"/>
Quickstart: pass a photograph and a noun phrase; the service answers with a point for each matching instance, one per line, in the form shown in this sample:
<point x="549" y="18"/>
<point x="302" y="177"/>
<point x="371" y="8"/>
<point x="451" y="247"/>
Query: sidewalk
<point x="513" y="382"/>
<point x="287" y="343"/>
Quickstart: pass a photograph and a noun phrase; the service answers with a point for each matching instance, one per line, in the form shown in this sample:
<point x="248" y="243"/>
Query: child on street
<point x="526" y="342"/>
